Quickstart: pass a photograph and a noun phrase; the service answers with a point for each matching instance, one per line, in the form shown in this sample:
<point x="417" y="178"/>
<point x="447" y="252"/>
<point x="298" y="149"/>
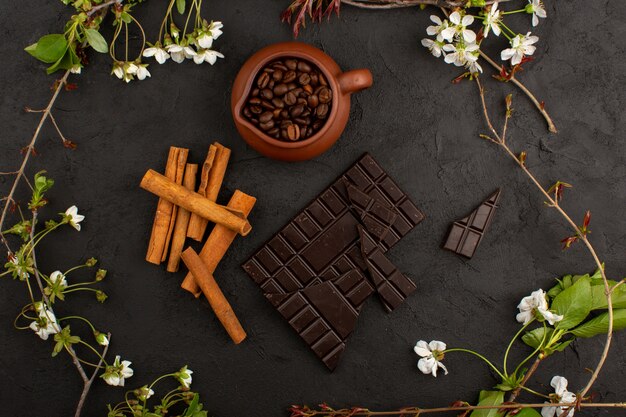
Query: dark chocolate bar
<point x="375" y="215"/>
<point x="392" y="286"/>
<point x="322" y="243"/>
<point x="466" y="234"/>
<point x="324" y="315"/>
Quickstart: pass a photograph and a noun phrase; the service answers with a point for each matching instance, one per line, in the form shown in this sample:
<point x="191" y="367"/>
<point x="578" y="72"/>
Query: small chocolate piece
<point x="324" y="315"/>
<point x="392" y="286"/>
<point x="377" y="217"/>
<point x="466" y="234"/>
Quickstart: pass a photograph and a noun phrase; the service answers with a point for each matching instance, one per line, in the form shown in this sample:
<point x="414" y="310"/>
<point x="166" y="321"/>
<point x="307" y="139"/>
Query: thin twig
<point x="87" y="384"/>
<point x="29" y="148"/>
<point x="103" y="6"/>
<point x="553" y="202"/>
<point x="56" y="126"/>
<point x="529" y="373"/>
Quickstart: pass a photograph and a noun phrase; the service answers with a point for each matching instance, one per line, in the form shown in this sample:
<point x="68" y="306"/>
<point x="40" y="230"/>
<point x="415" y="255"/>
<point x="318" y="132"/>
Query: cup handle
<point x="355" y="80"/>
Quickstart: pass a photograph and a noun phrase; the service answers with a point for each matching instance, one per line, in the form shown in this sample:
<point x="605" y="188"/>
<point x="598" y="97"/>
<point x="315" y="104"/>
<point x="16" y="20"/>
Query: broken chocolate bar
<point x="376" y="216"/>
<point x="466" y="234"/>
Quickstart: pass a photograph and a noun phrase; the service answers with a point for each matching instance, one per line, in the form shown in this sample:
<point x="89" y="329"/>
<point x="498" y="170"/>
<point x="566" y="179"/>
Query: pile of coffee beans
<point x="290" y="100"/>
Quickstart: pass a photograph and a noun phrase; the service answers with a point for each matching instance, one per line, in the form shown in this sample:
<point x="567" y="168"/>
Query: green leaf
<point x="31" y="49"/>
<point x="50" y="48"/>
<point x="192" y="406"/>
<point x="66" y="62"/>
<point x="489" y="398"/>
<point x="180" y="5"/>
<point x="574" y="304"/>
<point x="96" y="41"/>
<point x="528" y="412"/>
<point x="600" y="324"/>
<point x="599" y="300"/>
<point x="534" y="337"/>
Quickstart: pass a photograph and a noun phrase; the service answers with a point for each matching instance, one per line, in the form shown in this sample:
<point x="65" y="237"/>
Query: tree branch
<point x="88" y="383"/>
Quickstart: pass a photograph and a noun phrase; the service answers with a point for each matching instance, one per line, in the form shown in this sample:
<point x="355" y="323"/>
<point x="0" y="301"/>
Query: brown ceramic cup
<point x="343" y="84"/>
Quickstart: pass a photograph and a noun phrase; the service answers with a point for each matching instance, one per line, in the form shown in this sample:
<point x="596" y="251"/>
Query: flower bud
<point x="101" y="296"/>
<point x="101" y="338"/>
<point x="101" y="274"/>
<point x="91" y="262"/>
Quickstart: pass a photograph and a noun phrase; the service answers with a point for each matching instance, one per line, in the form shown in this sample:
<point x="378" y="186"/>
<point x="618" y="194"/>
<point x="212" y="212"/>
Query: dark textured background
<point x="413" y="121"/>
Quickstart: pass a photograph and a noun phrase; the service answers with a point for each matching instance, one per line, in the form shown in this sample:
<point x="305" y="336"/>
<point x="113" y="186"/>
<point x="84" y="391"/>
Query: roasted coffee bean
<point x="325" y="95"/>
<point x="266" y="117"/>
<point x="276" y="113"/>
<point x="321" y="111"/>
<point x="292" y="64"/>
<point x="263" y="80"/>
<point x="278" y="103"/>
<point x="247" y="112"/>
<point x="292" y="86"/>
<point x="315" y="79"/>
<point x="271" y="84"/>
<point x="290" y="98"/>
<point x="267" y="126"/>
<point x="280" y="66"/>
<point x="256" y="109"/>
<point x="317" y="124"/>
<point x="255" y="92"/>
<point x="273" y="132"/>
<point x="281" y="89"/>
<point x="306" y="113"/>
<point x="308" y="89"/>
<point x="297" y="91"/>
<point x="296" y="110"/>
<point x="283" y="134"/>
<point x="254" y="101"/>
<point x="267" y="94"/>
<point x="323" y="81"/>
<point x="313" y="101"/>
<point x="302" y="121"/>
<point x="304" y="79"/>
<point x="284" y="114"/>
<point x="305" y="132"/>
<point x="293" y="132"/>
<point x="289" y="76"/>
<point x="277" y="75"/>
<point x="267" y="105"/>
<point x="285" y="124"/>
<point x="304" y="67"/>
<point x="302" y="101"/>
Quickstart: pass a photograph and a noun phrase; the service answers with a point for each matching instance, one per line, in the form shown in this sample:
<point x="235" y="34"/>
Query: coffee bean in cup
<point x="290" y="100"/>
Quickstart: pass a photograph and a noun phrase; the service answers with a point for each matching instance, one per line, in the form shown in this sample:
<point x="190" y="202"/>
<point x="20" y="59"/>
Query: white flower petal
<point x="422" y="349"/>
<point x="437" y="345"/>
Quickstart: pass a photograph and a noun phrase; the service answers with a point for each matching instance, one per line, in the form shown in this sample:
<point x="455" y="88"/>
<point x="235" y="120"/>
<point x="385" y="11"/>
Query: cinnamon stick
<point x="214" y="295"/>
<point x="180" y="173"/>
<point x="195" y="203"/>
<point x="182" y="220"/>
<point x="195" y="229"/>
<point x="162" y="218"/>
<point x="219" y="241"/>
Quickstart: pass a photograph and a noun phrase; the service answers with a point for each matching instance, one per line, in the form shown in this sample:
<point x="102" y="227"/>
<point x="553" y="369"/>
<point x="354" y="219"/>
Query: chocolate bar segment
<point x="324" y="315"/>
<point x="466" y="234"/>
<point x="376" y="216"/>
<point x="392" y="286"/>
<point x="322" y="241"/>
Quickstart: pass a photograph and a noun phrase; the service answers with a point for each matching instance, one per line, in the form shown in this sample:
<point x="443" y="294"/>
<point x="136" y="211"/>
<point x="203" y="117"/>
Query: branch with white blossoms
<point x="190" y="43"/>
<point x="460" y="36"/>
<point x="136" y="402"/>
<point x="46" y="291"/>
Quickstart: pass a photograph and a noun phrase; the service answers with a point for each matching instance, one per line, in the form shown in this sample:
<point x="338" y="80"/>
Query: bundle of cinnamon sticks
<point x="184" y="211"/>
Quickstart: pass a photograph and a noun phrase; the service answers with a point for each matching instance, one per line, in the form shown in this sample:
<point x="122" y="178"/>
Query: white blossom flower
<point x="174" y="31"/>
<point x="76" y="69"/>
<point x="159" y="53"/>
<point x="180" y="52"/>
<point x="438" y="28"/>
<point x="144" y="393"/>
<point x="204" y="40"/>
<point x="184" y="376"/>
<point x="72" y="216"/>
<point x="474" y="67"/>
<point x="431" y="356"/>
<point x="102" y="339"/>
<point x="118" y="71"/>
<point x="57" y="278"/>
<point x="435" y="47"/>
<point x="142" y="72"/>
<point x="207" y="55"/>
<point x="117" y="373"/>
<point x="561" y="395"/>
<point x="216" y="29"/>
<point x="461" y="54"/>
<point x="492" y="21"/>
<point x="460" y="24"/>
<point x="533" y="304"/>
<point x="537" y="9"/>
<point x="46" y="324"/>
<point x="521" y="45"/>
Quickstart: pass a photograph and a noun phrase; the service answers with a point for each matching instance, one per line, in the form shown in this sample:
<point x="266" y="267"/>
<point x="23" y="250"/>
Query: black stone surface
<point x="417" y="124"/>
